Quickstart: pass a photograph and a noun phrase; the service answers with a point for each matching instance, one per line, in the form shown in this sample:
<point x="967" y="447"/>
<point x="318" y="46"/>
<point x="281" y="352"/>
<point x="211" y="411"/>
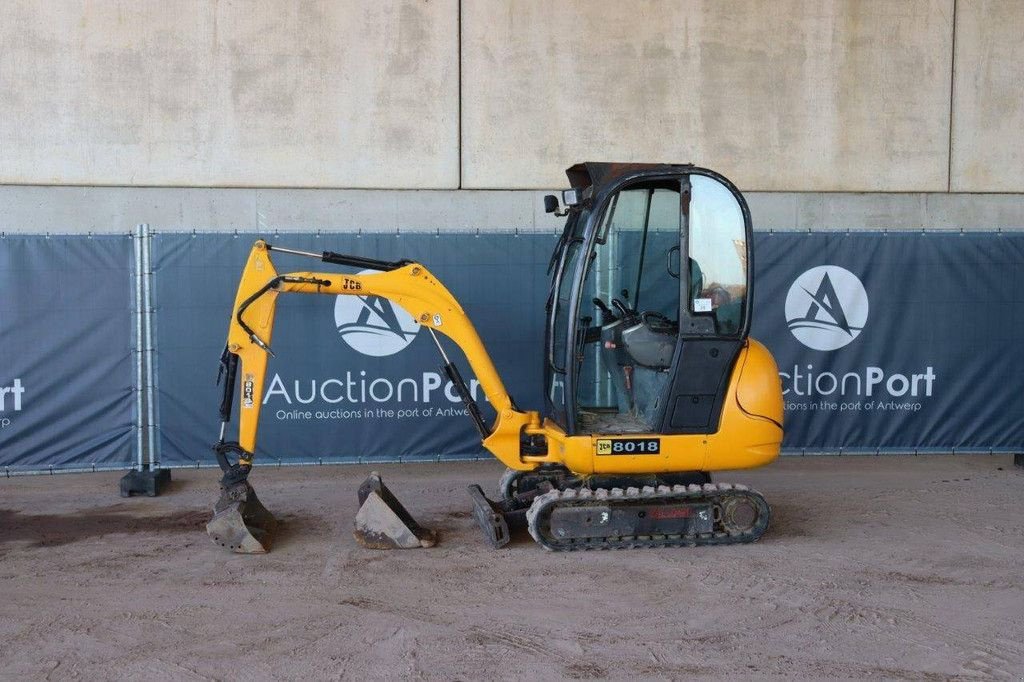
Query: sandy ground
<point x="906" y="568"/>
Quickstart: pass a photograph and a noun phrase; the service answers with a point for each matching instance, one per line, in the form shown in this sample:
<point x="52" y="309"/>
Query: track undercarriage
<point x="565" y="512"/>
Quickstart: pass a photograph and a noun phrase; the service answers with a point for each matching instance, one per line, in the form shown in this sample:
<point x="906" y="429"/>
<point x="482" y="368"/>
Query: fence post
<point x="139" y="407"/>
<point x="147" y="295"/>
<point x="151" y="480"/>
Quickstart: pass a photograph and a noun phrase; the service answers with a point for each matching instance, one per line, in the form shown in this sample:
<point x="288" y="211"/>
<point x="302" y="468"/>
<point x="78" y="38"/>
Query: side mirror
<point x="550" y="203"/>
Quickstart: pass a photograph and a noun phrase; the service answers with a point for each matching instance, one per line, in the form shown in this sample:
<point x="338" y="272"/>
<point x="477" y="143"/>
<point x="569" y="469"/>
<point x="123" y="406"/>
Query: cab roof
<point x="582" y="175"/>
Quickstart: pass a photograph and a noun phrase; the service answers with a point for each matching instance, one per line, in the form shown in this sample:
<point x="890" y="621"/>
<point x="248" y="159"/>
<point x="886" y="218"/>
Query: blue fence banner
<point x="67" y="370"/>
<point x="355" y="378"/>
<point x="886" y="342"/>
<point x="895" y="341"/>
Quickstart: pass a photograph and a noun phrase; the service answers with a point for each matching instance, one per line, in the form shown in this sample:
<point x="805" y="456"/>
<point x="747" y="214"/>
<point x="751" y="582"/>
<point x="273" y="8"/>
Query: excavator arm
<point x="240" y="522"/>
<point x="406" y="283"/>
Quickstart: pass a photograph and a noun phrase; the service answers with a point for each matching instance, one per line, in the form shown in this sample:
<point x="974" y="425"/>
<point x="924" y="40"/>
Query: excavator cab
<point x="649" y="304"/>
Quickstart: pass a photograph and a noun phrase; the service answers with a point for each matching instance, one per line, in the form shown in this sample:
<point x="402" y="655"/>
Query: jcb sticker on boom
<point x="351" y="285"/>
<point x="629" y="446"/>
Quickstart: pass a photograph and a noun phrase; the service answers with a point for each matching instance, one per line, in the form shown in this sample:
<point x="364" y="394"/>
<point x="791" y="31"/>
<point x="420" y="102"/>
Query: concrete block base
<point x="149" y="483"/>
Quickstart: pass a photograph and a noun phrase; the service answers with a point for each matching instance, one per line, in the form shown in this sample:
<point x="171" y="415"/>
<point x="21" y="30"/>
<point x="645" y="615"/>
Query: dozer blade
<point x="490" y="517"/>
<point x="499" y="519"/>
<point x="383" y="523"/>
<point x="240" y="521"/>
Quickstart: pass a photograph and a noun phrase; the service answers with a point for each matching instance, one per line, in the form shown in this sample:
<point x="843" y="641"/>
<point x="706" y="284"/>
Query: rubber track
<point x="545" y="504"/>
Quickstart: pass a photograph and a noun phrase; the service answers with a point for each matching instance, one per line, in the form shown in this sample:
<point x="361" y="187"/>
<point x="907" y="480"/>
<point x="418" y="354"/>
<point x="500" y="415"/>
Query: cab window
<point x="718" y="251"/>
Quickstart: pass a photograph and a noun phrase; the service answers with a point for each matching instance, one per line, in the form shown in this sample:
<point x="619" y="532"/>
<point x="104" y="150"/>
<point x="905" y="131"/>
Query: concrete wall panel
<point x="988" y="97"/>
<point x="851" y="95"/>
<point x="37" y="209"/>
<point x="243" y="92"/>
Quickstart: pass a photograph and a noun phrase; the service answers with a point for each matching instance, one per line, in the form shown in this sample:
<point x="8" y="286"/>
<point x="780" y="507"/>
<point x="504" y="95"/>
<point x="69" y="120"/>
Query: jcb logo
<point x="372" y="325"/>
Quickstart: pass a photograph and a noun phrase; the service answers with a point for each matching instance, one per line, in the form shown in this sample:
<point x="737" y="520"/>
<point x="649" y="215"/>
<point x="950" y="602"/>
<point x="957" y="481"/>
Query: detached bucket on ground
<point x="383" y="523"/>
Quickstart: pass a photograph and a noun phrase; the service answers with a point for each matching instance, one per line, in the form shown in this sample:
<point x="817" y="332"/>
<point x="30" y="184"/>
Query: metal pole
<point x="137" y="238"/>
<point x="296" y="252"/>
<point x="148" y="322"/>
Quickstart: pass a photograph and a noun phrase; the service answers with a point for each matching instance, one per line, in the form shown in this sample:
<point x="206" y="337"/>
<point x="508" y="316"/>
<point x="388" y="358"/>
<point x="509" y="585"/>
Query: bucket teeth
<point x="383" y="523"/>
<point x="240" y="521"/>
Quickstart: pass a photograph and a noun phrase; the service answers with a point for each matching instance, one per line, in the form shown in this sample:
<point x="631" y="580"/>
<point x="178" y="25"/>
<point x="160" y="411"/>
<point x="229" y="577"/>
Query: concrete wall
<point x="988" y="97"/>
<point x="788" y="95"/>
<point x="249" y="92"/>
<point x="80" y="210"/>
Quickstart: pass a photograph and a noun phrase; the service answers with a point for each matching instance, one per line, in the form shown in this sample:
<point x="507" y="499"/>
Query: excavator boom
<point x="406" y="283"/>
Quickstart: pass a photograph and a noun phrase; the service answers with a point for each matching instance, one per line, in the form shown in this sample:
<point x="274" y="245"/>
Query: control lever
<point x="607" y="316"/>
<point x="621" y="307"/>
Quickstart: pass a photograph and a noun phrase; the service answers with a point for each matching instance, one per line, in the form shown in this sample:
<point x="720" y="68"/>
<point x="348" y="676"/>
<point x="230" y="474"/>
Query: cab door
<point x="715" y="281"/>
<point x="627" y="325"/>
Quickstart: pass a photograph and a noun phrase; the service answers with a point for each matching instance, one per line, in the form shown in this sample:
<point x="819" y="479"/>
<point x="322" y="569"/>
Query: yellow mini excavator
<point x="651" y="380"/>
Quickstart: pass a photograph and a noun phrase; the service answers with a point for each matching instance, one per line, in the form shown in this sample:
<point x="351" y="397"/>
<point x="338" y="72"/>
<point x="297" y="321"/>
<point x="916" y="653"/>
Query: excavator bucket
<point x="383" y="523"/>
<point x="240" y="521"/>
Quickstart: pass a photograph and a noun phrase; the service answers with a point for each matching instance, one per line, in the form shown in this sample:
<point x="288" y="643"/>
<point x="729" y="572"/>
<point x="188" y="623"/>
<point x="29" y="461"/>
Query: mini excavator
<point x="651" y="380"/>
